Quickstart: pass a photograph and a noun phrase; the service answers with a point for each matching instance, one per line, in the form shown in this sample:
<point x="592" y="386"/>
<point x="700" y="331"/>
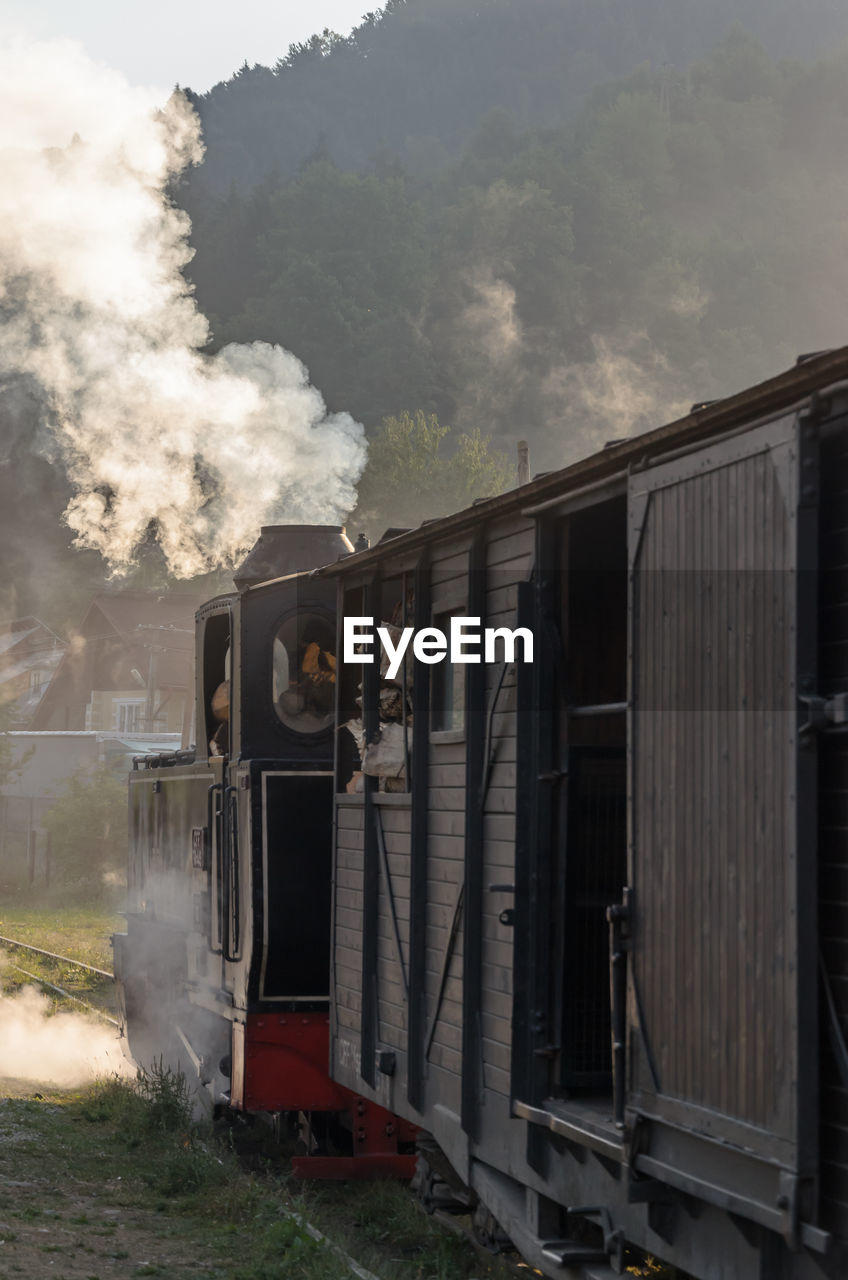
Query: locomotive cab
<point x="225" y="966"/>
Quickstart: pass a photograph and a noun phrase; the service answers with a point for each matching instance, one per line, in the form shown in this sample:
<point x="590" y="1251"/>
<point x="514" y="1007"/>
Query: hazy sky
<point x="194" y="43"/>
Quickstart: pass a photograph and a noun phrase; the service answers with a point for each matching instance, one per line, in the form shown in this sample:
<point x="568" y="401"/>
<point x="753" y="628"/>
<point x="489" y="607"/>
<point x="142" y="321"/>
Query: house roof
<point x="129" y="612"/>
<point x="134" y="623"/>
<point x="17" y="631"/>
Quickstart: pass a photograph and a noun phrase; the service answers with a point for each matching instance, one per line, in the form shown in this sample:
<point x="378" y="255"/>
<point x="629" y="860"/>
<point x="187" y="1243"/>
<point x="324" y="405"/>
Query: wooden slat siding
<point x="396" y="822"/>
<point x="447" y="565"/>
<point x="511" y="539"/>
<point x="445" y="870"/>
<point x="397" y="819"/>
<point x="497" y="977"/>
<point x="448" y="753"/>
<point x="391" y="1038"/>
<point x="501" y="603"/>
<point x="436" y="940"/>
<point x="349" y="856"/>
<point x="500" y="856"/>
<point x="419" y="851"/>
<point x="446" y="798"/>
<point x="348" y="919"/>
<point x="495" y="1030"/>
<point x="453" y="987"/>
<point x="442" y="866"/>
<point x="496" y="1079"/>
<point x="349" y="879"/>
<point x="347" y="938"/>
<point x="712" y="1020"/>
<point x="347" y="1019"/>
<point x="500" y="826"/>
<point x="386" y="934"/>
<point x="448" y="1032"/>
<point x="498" y="1004"/>
<point x="348" y="957"/>
<point x="499" y="848"/>
<point x="450" y="1060"/>
<point x="833" y="823"/>
<point x="397" y="857"/>
<point x="392" y="999"/>
<point x="346" y="996"/>
<point x="496" y="1053"/>
<point x="440" y="914"/>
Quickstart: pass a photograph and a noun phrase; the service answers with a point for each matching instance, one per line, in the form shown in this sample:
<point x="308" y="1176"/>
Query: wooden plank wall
<point x="833" y="824"/>
<point x="509" y="560"/>
<point x="713" y="880"/>
<point x="396" y="821"/>
<point x="347" y="942"/>
<point x="446" y="862"/>
<point x="510" y="550"/>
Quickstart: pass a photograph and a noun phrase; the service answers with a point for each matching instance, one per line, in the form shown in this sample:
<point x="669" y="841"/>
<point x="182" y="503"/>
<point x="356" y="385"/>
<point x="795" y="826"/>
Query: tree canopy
<point x="566" y="284"/>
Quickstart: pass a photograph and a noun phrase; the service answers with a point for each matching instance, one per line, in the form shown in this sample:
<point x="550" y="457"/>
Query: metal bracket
<point x="613" y="1236"/>
<point x="824" y="713"/>
<point x="618" y="917"/>
<point x="787" y="1203"/>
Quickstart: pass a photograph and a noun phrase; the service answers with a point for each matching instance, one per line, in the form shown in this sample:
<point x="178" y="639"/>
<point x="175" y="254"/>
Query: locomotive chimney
<point x="291" y="548"/>
<point x="523" y="463"/>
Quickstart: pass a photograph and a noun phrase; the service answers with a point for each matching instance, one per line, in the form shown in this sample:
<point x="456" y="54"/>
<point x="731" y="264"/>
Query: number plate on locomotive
<point x="199" y="853"/>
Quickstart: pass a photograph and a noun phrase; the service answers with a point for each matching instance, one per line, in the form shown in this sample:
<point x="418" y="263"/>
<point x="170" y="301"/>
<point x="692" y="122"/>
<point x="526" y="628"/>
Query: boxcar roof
<point x="808" y="375"/>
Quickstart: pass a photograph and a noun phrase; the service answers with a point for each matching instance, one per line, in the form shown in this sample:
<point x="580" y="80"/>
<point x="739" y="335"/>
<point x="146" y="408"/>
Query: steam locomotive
<point x="224" y="967"/>
<point x="581" y="922"/>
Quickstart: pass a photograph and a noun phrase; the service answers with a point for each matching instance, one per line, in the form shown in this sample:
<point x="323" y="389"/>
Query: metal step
<point x="570" y="1253"/>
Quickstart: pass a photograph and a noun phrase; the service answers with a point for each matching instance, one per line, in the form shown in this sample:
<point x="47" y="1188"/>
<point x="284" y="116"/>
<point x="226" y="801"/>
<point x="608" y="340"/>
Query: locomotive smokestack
<point x="291" y="548"/>
<point x="523" y="463"/>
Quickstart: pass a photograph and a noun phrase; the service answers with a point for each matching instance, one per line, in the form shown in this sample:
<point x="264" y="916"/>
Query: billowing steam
<point x="154" y="435"/>
<point x="63" y="1049"/>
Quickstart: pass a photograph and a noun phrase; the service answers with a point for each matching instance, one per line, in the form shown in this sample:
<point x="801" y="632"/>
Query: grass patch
<point x="121" y="1171"/>
<point x="81" y="932"/>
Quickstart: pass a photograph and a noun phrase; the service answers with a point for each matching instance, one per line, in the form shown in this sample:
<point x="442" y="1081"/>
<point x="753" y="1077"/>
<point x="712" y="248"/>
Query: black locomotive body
<point x="590" y="912"/>
<point x="224" y="968"/>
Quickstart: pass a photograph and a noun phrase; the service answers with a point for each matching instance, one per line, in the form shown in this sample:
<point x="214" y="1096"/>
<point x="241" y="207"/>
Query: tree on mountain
<point x="419" y="469"/>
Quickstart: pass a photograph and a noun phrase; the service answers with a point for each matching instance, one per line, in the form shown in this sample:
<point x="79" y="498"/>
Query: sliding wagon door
<point x="722" y="997"/>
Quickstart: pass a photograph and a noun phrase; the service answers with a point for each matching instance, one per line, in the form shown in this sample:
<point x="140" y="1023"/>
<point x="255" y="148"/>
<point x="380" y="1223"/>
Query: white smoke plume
<point x="93" y="307"/>
<point x="490" y="320"/>
<point x="626" y="388"/>
<point x="64" y="1049"/>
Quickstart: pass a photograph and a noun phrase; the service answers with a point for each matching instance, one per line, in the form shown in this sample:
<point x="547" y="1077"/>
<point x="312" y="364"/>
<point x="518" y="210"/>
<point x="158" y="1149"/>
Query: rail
<point x="53" y="955"/>
<point x="92" y="1008"/>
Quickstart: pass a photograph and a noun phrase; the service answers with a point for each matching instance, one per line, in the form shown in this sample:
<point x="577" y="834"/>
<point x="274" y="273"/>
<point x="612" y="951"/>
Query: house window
<point x="128" y="716"/>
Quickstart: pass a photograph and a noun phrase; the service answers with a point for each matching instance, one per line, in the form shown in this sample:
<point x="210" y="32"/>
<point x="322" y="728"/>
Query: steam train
<point x="583" y="922"/>
<point x="224" y="967"/>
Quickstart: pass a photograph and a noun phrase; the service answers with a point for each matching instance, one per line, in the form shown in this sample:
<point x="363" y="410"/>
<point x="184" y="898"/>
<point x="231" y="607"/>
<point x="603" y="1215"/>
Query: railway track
<point x="54" y="955"/>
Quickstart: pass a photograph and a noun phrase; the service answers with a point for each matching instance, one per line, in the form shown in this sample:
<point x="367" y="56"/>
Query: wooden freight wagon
<point x="591" y="912"/>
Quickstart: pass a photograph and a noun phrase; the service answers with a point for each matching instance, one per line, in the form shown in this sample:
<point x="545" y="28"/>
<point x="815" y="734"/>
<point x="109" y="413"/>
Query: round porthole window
<point x="304" y="679"/>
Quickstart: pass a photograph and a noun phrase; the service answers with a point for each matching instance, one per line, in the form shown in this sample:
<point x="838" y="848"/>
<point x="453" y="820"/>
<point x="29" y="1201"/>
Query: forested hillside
<point x="564" y="220"/>
<point x="684" y="235"/>
<point x="413" y="82"/>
